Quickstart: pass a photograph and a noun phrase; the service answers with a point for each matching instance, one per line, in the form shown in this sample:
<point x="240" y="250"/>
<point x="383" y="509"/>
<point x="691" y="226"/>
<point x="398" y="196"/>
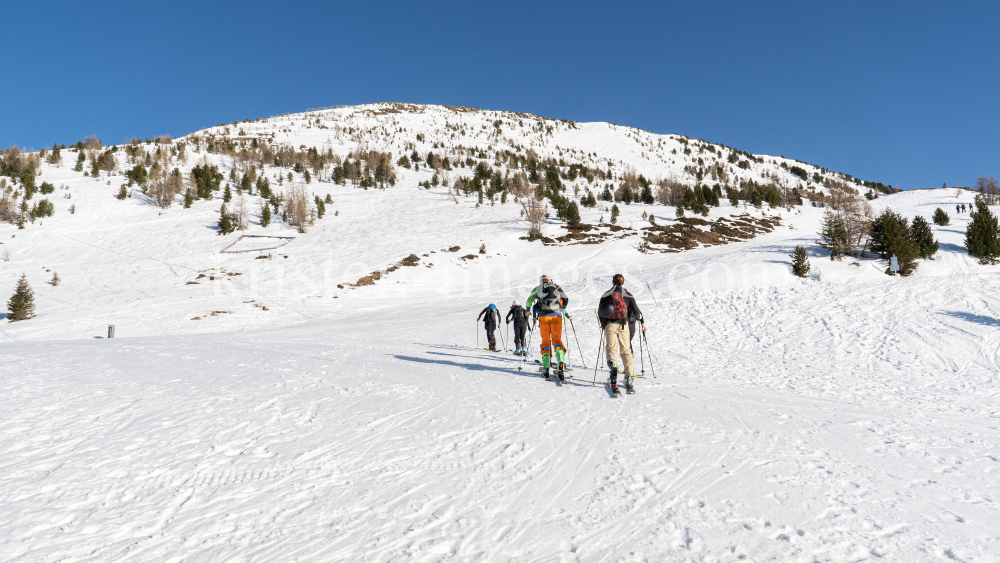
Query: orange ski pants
<point x="551" y="330"/>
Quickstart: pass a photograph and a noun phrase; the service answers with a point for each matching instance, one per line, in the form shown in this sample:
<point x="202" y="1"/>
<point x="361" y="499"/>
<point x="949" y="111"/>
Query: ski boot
<point x="614" y="381"/>
<point x="628" y="386"/>
<point x="560" y="373"/>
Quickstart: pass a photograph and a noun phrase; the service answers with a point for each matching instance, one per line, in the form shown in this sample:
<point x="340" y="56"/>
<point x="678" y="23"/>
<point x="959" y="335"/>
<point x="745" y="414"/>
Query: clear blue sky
<point x="897" y="92"/>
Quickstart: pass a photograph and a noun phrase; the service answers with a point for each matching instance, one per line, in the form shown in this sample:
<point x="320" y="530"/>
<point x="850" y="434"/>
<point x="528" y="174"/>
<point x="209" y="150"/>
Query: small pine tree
<point x="226" y="224"/>
<point x="307" y="176"/>
<point x="227" y="195"/>
<point x="482" y="248"/>
<point x="679" y="211"/>
<point x="941" y="217"/>
<point x="627" y="195"/>
<point x="614" y="214"/>
<point x="72" y="209"/>
<point x="647" y="195"/>
<point x="122" y="192"/>
<point x="982" y="236"/>
<point x="21" y="305"/>
<point x="800" y="263"/>
<point x="572" y="213"/>
<point x="188" y="199"/>
<point x="329" y="199"/>
<point x="55" y="279"/>
<point x="265" y="216"/>
<point x="833" y="235"/>
<point x="923" y="238"/>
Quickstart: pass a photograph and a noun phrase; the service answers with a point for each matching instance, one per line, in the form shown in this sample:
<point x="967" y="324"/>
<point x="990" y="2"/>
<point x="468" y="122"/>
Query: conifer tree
<point x="55" y="279"/>
<point x="982" y="236"/>
<point x="833" y="235"/>
<point x="122" y="192"/>
<point x="188" y="199"/>
<point x="800" y="263"/>
<point x="227" y="195"/>
<point x="226" y="224"/>
<point x="21" y="305"/>
<point x="940" y="217"/>
<point x="572" y="213"/>
<point x="647" y="194"/>
<point x="265" y="216"/>
<point x="923" y="238"/>
<point x="733" y="196"/>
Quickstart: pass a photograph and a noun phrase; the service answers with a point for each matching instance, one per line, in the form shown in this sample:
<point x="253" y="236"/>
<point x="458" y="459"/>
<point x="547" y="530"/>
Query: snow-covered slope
<point x="848" y="416"/>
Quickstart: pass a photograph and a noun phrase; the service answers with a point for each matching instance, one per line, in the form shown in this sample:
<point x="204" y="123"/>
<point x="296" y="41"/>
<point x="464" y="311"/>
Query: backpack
<point x="548" y="298"/>
<point x="619" y="304"/>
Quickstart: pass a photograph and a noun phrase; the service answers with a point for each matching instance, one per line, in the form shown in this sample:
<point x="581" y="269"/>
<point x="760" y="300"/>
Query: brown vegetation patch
<point x="685" y="234"/>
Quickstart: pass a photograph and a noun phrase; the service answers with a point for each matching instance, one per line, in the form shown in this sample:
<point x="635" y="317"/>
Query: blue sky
<point x="902" y="93"/>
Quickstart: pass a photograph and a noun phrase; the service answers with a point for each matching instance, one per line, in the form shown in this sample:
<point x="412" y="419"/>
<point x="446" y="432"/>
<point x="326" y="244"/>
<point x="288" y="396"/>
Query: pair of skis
<point x="616" y="391"/>
<point x="541" y="369"/>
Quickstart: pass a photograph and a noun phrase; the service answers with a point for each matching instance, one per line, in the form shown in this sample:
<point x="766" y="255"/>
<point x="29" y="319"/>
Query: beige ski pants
<point x="616" y="341"/>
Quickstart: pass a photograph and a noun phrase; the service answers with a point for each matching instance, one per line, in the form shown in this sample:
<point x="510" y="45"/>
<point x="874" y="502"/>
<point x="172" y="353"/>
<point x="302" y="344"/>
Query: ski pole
<point x="650" y="355"/>
<point x="508" y="336"/>
<point x="475" y="328"/>
<point x="642" y="359"/>
<point x="597" y="362"/>
<point x="575" y="337"/>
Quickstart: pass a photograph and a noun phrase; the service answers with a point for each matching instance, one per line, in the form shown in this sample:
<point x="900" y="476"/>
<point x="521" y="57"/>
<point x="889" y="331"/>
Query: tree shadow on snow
<point x="973" y="318"/>
<point x="951" y="247"/>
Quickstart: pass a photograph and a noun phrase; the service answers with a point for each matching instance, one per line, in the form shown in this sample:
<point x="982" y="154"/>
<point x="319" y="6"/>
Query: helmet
<point x="492" y="306"/>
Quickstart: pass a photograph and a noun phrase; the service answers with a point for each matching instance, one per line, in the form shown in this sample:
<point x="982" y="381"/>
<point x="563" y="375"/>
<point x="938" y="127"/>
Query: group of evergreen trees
<point x="889" y="235"/>
<point x="892" y="236"/>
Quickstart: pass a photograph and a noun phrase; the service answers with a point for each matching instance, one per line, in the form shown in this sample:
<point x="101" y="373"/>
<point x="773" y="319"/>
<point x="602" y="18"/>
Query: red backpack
<point x="618" y="302"/>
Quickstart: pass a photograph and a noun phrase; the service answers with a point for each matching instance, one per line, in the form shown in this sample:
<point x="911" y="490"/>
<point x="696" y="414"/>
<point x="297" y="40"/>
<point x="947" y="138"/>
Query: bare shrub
<point x="8" y="203"/>
<point x="164" y="183"/>
<point x="240" y="213"/>
<point x="670" y="191"/>
<point x="535" y="210"/>
<point x="988" y="188"/>
<point x="297" y="212"/>
<point x="855" y="215"/>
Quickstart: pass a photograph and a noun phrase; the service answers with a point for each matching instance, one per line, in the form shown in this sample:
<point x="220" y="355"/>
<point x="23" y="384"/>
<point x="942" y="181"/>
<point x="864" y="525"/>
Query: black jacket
<point x="492" y="318"/>
<point x="605" y="305"/>
<point x="520" y="316"/>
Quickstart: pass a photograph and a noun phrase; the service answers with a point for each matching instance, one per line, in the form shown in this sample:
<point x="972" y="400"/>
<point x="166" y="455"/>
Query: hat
<point x="544" y="279"/>
<point x="514" y="304"/>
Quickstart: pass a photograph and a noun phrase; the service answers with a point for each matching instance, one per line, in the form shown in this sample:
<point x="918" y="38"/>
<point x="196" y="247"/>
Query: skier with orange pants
<point x="550" y="309"/>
